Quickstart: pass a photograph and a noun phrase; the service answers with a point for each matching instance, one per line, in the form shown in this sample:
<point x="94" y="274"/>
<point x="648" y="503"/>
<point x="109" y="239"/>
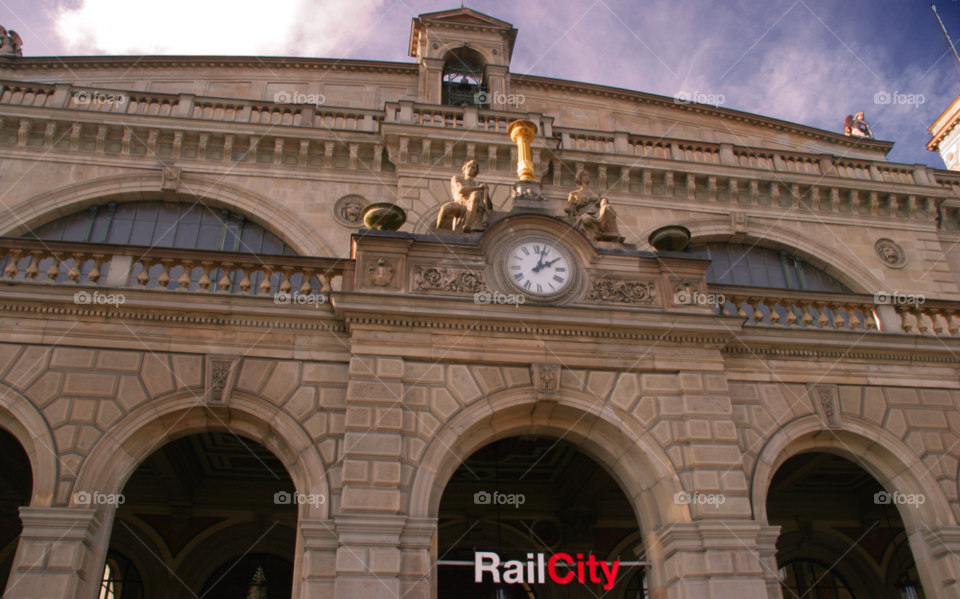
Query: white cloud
<point x="216" y="27"/>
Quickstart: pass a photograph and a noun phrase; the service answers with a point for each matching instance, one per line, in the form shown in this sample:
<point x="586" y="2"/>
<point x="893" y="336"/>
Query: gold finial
<point x="523" y="132"/>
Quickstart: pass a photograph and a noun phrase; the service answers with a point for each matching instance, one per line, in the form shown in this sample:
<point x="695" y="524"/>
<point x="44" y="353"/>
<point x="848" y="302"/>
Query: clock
<point x="539" y="267"/>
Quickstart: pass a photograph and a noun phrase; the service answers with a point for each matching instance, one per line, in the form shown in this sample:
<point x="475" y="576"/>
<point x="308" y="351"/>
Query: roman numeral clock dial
<point x="538" y="268"/>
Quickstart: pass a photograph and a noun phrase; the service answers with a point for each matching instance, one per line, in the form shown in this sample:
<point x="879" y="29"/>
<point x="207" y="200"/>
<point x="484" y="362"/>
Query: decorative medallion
<point x="221" y="371"/>
<point x="826" y="398"/>
<point x="454" y="280"/>
<point x="890" y="253"/>
<point x="381" y="272"/>
<point x="348" y="210"/>
<point x="546" y="382"/>
<point x="624" y="292"/>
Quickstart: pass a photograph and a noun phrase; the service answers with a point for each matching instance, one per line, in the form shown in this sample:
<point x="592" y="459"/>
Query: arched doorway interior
<point x="16" y="487"/>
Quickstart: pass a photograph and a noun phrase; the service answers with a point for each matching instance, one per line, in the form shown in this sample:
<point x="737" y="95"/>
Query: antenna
<point x="945" y="34"/>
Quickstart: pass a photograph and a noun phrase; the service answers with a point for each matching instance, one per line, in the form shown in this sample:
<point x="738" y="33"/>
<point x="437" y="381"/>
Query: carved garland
<point x="454" y="280"/>
<point x="624" y="292"/>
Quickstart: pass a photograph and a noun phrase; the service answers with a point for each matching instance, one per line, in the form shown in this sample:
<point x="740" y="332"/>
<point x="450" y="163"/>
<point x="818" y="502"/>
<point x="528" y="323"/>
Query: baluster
<point x="921" y="323"/>
<point x="204" y="282"/>
<point x="34" y="268"/>
<point x="821" y="308"/>
<point x="73" y="274"/>
<point x="53" y="273"/>
<point x="245" y="283"/>
<point x="184" y="280"/>
<point x="724" y="310"/>
<point x="164" y="279"/>
<point x="952" y="326"/>
<point x="852" y="319"/>
<point x="266" y="285"/>
<point x="738" y="302"/>
<point x="869" y="314"/>
<point x="325" y="282"/>
<point x="754" y="302"/>
<point x="144" y="277"/>
<point x="306" y="288"/>
<point x="788" y="306"/>
<point x="771" y="305"/>
<point x="287" y="274"/>
<point x="838" y="322"/>
<point x="94" y="274"/>
<point x="934" y="315"/>
<point x="12" y="270"/>
<point x="806" y="318"/>
<point x="224" y="283"/>
<point x="905" y="323"/>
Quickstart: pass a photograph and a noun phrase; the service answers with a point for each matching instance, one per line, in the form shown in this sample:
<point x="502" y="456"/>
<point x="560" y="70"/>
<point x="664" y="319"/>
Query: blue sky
<point x="806" y="61"/>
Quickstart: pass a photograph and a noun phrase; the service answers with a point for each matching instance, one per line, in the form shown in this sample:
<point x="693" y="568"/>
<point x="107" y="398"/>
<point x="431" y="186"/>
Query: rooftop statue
<point x="592" y="213"/>
<point x="10" y="43"/>
<point x="471" y="206"/>
<point x="855" y="126"/>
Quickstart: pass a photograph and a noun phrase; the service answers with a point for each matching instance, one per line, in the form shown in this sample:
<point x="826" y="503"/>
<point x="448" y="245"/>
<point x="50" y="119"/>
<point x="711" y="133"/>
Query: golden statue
<point x="592" y="213"/>
<point x="471" y="206"/>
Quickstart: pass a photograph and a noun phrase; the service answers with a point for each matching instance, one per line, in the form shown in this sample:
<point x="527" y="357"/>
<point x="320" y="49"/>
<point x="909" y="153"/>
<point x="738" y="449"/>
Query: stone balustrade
<point x="195" y="271"/>
<point x="783" y="308"/>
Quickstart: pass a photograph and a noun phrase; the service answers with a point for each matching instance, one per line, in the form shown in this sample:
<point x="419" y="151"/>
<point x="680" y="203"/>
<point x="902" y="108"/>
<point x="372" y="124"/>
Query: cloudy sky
<point x="806" y="61"/>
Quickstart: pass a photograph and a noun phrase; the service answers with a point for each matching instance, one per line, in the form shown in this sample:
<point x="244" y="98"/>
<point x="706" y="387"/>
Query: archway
<point x="874" y="462"/>
<point x="16" y="488"/>
<point x="527" y="496"/>
<point x="213" y="509"/>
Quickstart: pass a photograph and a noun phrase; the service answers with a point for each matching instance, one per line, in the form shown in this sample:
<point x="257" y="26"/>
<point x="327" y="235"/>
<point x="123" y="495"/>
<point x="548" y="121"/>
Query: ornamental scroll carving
<point x="624" y="292"/>
<point x="453" y="280"/>
<point x="826" y="398"/>
<point x="221" y="371"/>
<point x="546" y="382"/>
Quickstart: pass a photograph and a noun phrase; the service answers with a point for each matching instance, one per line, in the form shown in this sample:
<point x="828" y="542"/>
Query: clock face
<point x="538" y="268"/>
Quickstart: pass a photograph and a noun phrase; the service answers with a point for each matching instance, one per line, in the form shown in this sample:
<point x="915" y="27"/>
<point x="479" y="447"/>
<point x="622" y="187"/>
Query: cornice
<point x="48" y="63"/>
<point x="837" y="355"/>
<point x="724" y="113"/>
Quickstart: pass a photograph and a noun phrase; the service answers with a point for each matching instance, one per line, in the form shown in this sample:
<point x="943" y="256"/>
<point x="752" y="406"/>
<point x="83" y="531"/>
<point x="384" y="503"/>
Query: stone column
<point x="56" y="557"/>
<point x="431" y="77"/>
<point x="319" y="568"/>
<point x="495" y="76"/>
<point x="368" y="524"/>
<point x="935" y="551"/>
<point x="716" y="559"/>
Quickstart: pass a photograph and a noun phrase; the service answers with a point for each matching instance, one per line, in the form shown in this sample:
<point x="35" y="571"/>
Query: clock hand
<point x="552" y="261"/>
<point x="539" y="265"/>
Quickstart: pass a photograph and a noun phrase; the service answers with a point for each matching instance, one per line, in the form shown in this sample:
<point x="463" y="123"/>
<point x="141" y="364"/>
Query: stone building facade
<point x="150" y="356"/>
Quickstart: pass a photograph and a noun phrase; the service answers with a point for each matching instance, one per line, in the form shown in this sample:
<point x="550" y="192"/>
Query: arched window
<point x="183" y="225"/>
<point x="637" y="589"/>
<point x="802" y="578"/>
<point x="754" y="266"/>
<point x="120" y="579"/>
<point x="463" y="79"/>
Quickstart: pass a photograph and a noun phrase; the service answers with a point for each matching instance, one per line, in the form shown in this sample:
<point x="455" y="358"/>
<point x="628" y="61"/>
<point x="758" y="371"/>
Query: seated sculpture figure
<point x="857" y="126"/>
<point x="471" y="206"/>
<point x="10" y="42"/>
<point x="592" y="213"/>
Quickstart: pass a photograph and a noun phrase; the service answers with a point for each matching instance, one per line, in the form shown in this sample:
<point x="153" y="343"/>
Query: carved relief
<point x="171" y="179"/>
<point x="738" y="222"/>
<point x="625" y="292"/>
<point x="221" y="372"/>
<point x="826" y="398"/>
<point x="380" y="273"/>
<point x="546" y="381"/>
<point x="455" y="280"/>
<point x="348" y="210"/>
<point x="890" y="253"/>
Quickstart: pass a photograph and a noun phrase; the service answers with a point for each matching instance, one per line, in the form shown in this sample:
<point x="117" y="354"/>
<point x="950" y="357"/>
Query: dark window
<point x="803" y="578"/>
<point x="754" y="266"/>
<point x="183" y="225"/>
<point x="253" y="575"/>
<point x="120" y="579"/>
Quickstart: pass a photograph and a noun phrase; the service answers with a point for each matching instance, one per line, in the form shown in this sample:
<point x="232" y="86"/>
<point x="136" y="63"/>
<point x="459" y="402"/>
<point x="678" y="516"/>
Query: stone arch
<point x="51" y="205"/>
<point x="826" y="257"/>
<point x="21" y="419"/>
<point x="882" y="455"/>
<point x="449" y="51"/>
<point x="629" y="454"/>
<point x="854" y="569"/>
<point x="117" y="455"/>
